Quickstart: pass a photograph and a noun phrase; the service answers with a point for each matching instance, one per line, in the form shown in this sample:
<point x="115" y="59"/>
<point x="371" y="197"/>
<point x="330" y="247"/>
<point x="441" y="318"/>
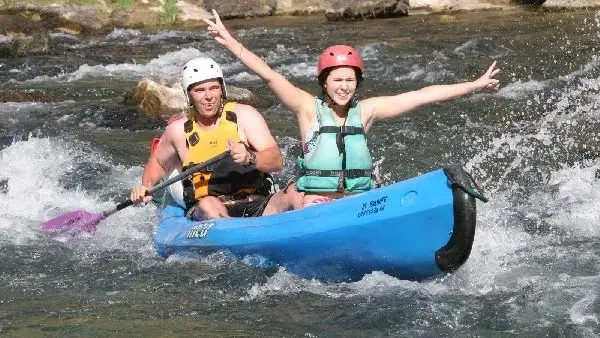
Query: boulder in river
<point x="20" y="45"/>
<point x="164" y="98"/>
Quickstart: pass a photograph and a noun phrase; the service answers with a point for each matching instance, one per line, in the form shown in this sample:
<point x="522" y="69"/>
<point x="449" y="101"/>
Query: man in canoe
<point x="239" y="184"/>
<point x="336" y="160"/>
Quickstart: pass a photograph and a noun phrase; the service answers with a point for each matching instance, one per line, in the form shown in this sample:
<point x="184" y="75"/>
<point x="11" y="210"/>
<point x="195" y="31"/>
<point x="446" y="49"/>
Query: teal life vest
<point x="340" y="160"/>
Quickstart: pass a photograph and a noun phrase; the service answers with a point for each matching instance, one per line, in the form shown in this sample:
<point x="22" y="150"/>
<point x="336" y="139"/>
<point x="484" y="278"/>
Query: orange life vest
<point x="225" y="178"/>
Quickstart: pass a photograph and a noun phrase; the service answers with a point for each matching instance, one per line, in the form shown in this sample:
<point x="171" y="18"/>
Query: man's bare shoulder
<point x="175" y="128"/>
<point x="247" y="115"/>
<point x="245" y="110"/>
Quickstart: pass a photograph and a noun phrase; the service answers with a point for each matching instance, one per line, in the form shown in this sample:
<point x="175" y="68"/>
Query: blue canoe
<point x="414" y="229"/>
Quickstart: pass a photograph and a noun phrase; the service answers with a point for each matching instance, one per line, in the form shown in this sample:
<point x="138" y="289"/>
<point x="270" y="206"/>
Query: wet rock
<point x="357" y="9"/>
<point x="529" y="2"/>
<point x="165" y="98"/>
<point x="243" y="95"/>
<point x="241" y="9"/>
<point x="158" y="100"/>
<point x="302" y="7"/>
<point x="447" y="6"/>
<point x="27" y="96"/>
<point x="88" y="18"/>
<point x="25" y="23"/>
<point x="565" y="4"/>
<point x="133" y="17"/>
<point x="21" y="45"/>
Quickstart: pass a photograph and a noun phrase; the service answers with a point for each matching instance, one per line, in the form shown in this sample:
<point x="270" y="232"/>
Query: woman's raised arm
<point x="387" y="107"/>
<point x="294" y="98"/>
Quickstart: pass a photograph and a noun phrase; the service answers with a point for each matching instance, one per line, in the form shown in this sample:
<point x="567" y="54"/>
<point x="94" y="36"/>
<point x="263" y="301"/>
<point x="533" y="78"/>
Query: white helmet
<point x="198" y="70"/>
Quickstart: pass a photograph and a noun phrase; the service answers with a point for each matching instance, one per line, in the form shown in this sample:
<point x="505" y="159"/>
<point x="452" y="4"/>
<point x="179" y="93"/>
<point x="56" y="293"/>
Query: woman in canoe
<point x="336" y="160"/>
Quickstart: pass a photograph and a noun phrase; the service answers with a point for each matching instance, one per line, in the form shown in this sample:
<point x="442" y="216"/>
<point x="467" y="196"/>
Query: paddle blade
<point x="74" y="221"/>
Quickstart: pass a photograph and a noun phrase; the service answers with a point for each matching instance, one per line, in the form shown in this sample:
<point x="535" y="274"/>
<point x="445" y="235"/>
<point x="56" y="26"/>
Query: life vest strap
<point x="348" y="173"/>
<point x="344" y="130"/>
<point x="208" y="168"/>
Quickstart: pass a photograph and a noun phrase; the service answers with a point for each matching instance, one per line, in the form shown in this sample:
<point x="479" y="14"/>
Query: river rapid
<point x="534" y="270"/>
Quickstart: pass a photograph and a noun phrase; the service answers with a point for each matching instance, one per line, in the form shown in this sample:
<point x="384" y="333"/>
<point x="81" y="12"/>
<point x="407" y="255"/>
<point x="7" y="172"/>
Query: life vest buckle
<point x="341" y="187"/>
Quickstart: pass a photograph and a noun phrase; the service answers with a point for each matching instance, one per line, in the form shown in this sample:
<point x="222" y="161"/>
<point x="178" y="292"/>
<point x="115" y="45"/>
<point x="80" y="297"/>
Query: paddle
<point x="80" y="220"/>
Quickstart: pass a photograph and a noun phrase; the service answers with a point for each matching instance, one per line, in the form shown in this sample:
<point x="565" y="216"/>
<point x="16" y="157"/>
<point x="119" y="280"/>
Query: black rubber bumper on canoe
<point x="457" y="250"/>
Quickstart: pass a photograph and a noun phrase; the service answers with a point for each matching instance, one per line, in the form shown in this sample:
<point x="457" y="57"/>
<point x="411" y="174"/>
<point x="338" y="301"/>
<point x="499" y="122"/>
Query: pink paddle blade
<point x="73" y="221"/>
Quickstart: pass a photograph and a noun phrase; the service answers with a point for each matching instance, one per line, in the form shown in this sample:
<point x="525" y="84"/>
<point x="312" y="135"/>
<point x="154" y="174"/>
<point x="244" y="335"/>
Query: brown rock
<point x="560" y="4"/>
<point x="45" y="17"/>
<point x="135" y="17"/>
<point x="191" y="12"/>
<point x="371" y="9"/>
<point x="302" y="7"/>
<point x="87" y="18"/>
<point x="164" y="99"/>
<point x="158" y="101"/>
<point x="447" y="6"/>
<point x="67" y="30"/>
<point x="241" y="9"/>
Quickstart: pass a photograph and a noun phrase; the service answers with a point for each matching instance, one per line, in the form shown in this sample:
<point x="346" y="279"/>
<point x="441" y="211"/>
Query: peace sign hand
<point x="487" y="81"/>
<point x="217" y="30"/>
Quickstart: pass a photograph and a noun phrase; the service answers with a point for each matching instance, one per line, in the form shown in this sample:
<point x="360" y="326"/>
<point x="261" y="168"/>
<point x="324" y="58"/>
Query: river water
<point x="534" y="270"/>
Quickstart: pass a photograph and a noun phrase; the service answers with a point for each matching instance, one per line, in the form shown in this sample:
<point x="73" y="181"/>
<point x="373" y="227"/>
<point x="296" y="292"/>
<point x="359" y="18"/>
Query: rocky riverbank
<point x="88" y="16"/>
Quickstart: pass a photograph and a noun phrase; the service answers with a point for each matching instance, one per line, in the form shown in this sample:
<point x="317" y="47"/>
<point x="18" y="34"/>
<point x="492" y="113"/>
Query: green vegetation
<point x="36" y="17"/>
<point x="45" y="2"/>
<point x="125" y="3"/>
<point x="82" y="2"/>
<point x="134" y="12"/>
<point x="169" y="13"/>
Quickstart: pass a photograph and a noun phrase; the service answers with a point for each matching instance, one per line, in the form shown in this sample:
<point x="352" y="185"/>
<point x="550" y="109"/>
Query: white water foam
<point x="164" y="35"/>
<point x="168" y="64"/>
<point x="136" y="37"/>
<point x="582" y="311"/>
<point x="30" y="170"/>
<point x="519" y="89"/>
<point x="372" y="51"/>
<point x="579" y="200"/>
<point x="435" y="71"/>
<point x="33" y="170"/>
<point x="291" y="62"/>
<point x="552" y="133"/>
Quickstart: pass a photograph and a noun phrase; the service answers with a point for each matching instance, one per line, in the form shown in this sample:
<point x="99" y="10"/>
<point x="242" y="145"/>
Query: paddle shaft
<point x="168" y="182"/>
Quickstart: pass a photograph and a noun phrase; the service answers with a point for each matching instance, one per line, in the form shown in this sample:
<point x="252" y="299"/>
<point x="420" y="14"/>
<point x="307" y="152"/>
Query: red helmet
<point x="339" y="55"/>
